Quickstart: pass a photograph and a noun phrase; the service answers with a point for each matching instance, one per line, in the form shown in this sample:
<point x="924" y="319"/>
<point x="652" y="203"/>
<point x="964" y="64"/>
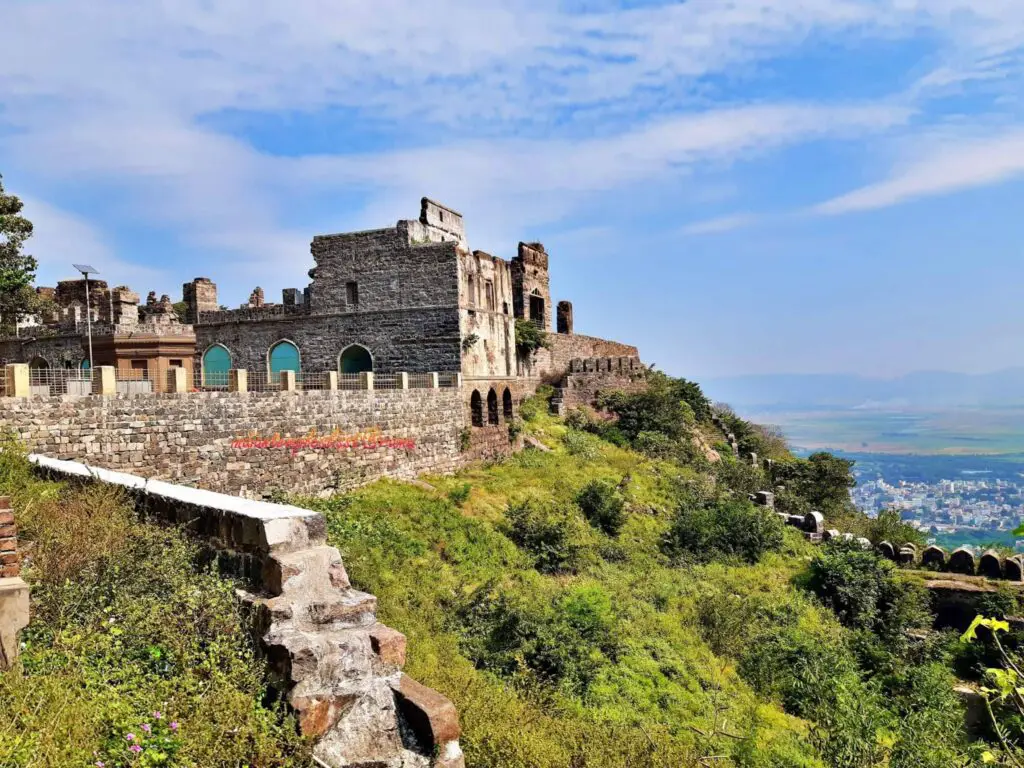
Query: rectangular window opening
<point x="352" y="294"/>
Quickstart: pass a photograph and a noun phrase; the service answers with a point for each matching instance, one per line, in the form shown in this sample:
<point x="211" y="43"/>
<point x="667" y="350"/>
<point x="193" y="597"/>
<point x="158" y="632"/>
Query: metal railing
<point x="158" y="376"/>
<point x="421" y="380"/>
<point x="59" y="381"/>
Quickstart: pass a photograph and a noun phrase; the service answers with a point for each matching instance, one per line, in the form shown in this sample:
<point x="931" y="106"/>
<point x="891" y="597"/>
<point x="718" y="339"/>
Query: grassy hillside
<point x="573" y="633"/>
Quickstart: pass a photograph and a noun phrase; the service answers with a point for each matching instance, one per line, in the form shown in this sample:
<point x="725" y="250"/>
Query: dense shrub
<point x="864" y="590"/>
<point x="563" y="641"/>
<point x="460" y="494"/>
<point x="603" y="505"/>
<point x="547" y="531"/>
<point x="655" y="409"/>
<point x="726" y="529"/>
<point x="580" y="444"/>
<point x="822" y="479"/>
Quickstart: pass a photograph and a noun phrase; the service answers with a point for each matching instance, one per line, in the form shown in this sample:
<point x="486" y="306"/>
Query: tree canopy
<point x="17" y="268"/>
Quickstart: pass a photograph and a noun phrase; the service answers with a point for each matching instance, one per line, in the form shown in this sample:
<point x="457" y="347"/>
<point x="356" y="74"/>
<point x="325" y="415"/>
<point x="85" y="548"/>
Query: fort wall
<point x="200" y="438"/>
<point x="552" y="364"/>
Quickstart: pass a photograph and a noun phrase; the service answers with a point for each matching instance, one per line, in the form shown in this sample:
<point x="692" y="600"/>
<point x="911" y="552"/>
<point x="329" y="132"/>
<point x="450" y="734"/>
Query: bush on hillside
<point x="603" y="505"/>
<point x="563" y="641"/>
<point x="822" y="479"/>
<point x="547" y="531"/>
<point x="580" y="444"/>
<point x="865" y="591"/>
<point x="727" y="529"/>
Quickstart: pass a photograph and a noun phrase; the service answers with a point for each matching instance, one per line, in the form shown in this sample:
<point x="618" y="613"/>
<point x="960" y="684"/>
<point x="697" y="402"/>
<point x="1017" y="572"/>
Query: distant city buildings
<point x="993" y="505"/>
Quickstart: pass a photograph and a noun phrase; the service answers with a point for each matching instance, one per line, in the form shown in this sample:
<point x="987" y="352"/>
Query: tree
<point x="17" y="269"/>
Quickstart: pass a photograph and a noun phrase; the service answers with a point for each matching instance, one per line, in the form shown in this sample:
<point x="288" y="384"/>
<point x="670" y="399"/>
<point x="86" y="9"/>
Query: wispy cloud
<point x="963" y="165"/>
<point x="721" y="224"/>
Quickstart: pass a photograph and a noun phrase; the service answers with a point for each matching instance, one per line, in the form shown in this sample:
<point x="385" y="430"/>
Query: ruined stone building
<point x="141" y="340"/>
<point x="413" y="297"/>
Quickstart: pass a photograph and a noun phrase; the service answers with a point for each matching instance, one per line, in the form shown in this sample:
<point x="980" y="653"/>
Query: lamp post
<point x="85" y="269"/>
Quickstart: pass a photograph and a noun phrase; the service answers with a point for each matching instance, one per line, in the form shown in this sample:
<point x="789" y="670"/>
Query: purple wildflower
<point x="146" y="728"/>
<point x="135" y="748"/>
<point x="130" y="737"/>
<point x="174" y="725"/>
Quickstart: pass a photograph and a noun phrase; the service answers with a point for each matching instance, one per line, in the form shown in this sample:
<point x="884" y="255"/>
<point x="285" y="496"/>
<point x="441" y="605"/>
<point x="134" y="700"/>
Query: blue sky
<point x="749" y="186"/>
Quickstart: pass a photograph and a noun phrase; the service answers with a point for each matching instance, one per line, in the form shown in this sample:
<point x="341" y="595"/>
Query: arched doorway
<point x="37" y="370"/>
<point x="355" y="358"/>
<point x="492" y="407"/>
<point x="506" y="404"/>
<point x="284" y="356"/>
<point x="476" y="407"/>
<point x="216" y="364"/>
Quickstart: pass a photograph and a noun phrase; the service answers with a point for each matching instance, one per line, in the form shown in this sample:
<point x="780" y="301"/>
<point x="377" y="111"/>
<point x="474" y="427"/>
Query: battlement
<point x="433" y="214"/>
<point x="533" y="254"/>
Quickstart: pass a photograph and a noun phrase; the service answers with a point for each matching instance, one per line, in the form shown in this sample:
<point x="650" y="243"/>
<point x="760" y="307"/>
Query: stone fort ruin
<point x="412" y="298"/>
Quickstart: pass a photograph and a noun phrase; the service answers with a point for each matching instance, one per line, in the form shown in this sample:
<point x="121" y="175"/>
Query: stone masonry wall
<point x="418" y="341"/>
<point x="188" y="438"/>
<point x="589" y="378"/>
<point x="55" y="350"/>
<point x="552" y="364"/>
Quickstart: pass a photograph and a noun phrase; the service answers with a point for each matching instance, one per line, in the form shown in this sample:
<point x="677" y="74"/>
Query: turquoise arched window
<point x="216" y="364"/>
<point x="284" y="356"/>
<point x="356" y="359"/>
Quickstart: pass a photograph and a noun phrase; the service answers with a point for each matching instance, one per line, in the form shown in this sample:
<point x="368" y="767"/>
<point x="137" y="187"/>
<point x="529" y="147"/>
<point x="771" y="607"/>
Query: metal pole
<point x="88" y="322"/>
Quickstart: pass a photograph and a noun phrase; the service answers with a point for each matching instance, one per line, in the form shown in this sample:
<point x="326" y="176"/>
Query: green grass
<point x="481" y="620"/>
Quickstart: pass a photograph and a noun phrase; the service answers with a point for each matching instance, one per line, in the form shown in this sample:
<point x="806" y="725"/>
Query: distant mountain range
<point x="922" y="389"/>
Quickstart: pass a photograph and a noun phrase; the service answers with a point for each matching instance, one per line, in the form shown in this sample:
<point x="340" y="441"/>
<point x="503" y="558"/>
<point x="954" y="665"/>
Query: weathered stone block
<point x="431" y="716"/>
<point x="962" y="561"/>
<point x="887" y="550"/>
<point x="14" y="616"/>
<point x="934" y="557"/>
<point x="990" y="566"/>
<point x="389" y="644"/>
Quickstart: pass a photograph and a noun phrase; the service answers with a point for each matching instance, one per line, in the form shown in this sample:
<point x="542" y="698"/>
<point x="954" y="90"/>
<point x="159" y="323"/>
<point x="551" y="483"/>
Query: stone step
<point x="316" y="567"/>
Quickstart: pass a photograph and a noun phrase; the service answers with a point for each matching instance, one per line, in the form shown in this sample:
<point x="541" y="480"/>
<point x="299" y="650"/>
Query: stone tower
<point x="531" y="292"/>
<point x="201" y="296"/>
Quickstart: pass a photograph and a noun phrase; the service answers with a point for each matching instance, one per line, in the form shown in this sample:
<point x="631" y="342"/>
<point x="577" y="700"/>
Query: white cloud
<point x="61" y="239"/>
<point x="721" y="224"/>
<point x="600" y="102"/>
<point x="950" y="168"/>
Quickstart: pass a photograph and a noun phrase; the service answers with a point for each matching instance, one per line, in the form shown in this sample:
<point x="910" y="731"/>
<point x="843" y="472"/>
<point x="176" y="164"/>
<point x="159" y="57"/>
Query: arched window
<point x="216" y="364"/>
<point x="506" y="404"/>
<point x="355" y="358"/>
<point x="284" y="356"/>
<point x="476" y="406"/>
<point x="85" y="365"/>
<point x="492" y="407"/>
<point x="537" y="308"/>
